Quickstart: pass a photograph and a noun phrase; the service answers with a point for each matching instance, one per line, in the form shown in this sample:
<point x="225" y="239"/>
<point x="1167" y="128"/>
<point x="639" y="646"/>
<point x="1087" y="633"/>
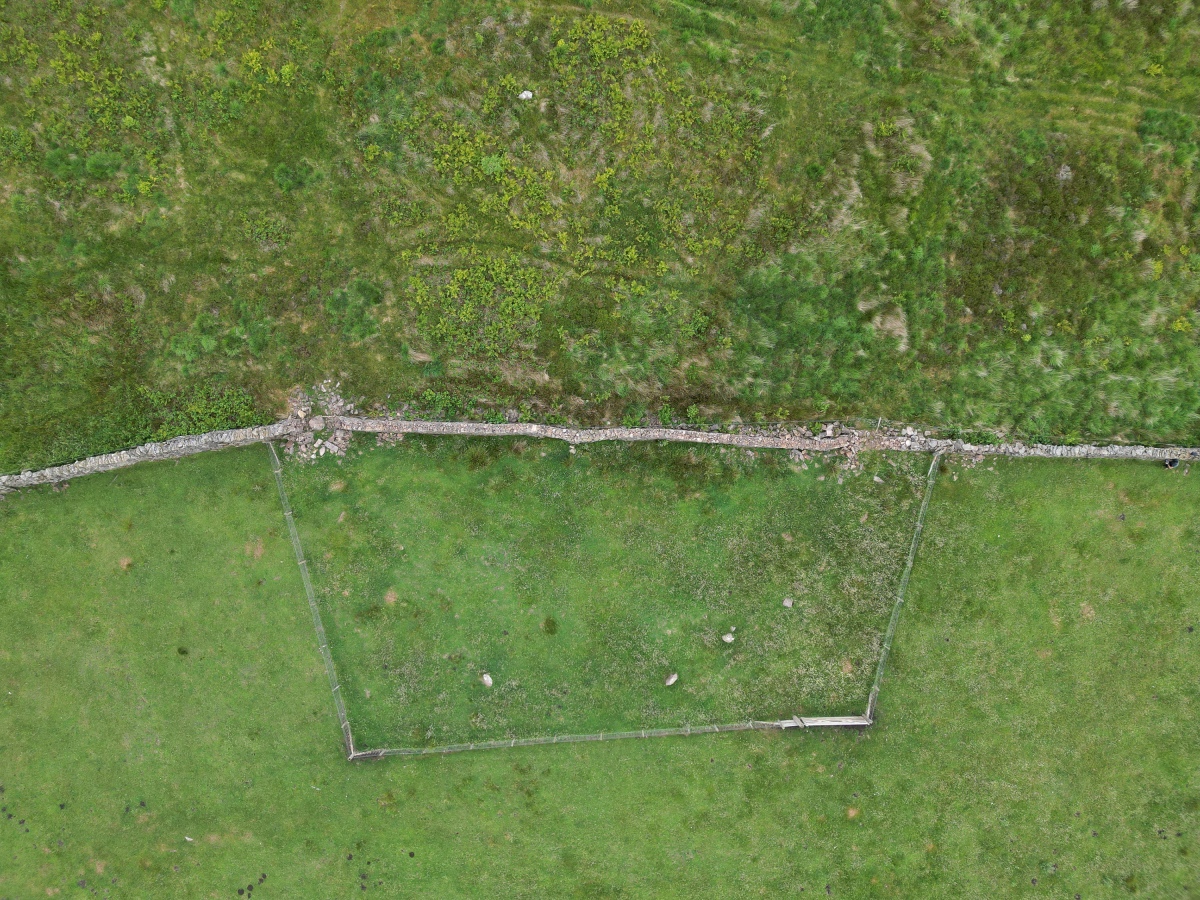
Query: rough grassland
<point x="969" y="786"/>
<point x="580" y="581"/>
<point x="962" y="212"/>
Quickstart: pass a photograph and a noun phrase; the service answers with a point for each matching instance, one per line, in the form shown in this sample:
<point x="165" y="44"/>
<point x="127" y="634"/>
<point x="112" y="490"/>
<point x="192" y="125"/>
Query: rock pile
<point x="306" y="444"/>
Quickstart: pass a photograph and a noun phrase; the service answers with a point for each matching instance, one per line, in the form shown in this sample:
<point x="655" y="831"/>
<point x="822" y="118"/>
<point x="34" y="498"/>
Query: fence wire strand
<point x="322" y="642"/>
<point x="685" y="731"/>
<point x="570" y="739"/>
<point x="908" y="567"/>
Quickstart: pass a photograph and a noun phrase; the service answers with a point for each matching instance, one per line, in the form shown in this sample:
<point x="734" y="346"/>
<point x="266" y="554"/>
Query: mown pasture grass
<point x="996" y="769"/>
<point x="579" y="581"/>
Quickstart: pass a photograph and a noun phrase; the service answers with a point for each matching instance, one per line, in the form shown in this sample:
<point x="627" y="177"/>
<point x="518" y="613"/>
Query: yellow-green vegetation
<point x="976" y="214"/>
<point x="580" y="581"/>
<point x="1035" y="734"/>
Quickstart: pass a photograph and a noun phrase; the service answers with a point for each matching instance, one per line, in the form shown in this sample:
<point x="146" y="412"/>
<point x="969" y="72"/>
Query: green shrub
<point x="198" y="410"/>
<point x="490" y="309"/>
<point x="270" y="231"/>
<point x="634" y="414"/>
<point x="103" y="164"/>
<point x="1168" y="125"/>
<point x="290" y="178"/>
<point x="351" y="308"/>
<point x="64" y="164"/>
<point x="15" y="143"/>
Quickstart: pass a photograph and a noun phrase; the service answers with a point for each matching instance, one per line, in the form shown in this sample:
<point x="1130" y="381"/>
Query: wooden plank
<point x="835" y="722"/>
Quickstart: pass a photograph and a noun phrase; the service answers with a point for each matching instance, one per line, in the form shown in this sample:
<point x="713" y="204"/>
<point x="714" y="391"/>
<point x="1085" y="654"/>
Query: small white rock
<point x="878" y="480"/>
<point x="672" y="678"/>
<point x="486" y="679"/>
<point x="525" y="95"/>
<point x="787" y="601"/>
<point x="727" y="638"/>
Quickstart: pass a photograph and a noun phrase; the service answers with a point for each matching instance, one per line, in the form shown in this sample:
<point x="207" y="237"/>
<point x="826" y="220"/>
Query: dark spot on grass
<point x="370" y="613"/>
<point x="550" y="625"/>
<point x="241" y="892"/>
<point x="349" y="856"/>
<point x="182" y="651"/>
<point x="62" y="806"/>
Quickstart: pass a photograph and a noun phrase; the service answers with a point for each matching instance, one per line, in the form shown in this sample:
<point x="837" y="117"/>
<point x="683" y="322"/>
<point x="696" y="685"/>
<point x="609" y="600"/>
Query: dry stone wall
<point x="308" y="434"/>
<point x="188" y="445"/>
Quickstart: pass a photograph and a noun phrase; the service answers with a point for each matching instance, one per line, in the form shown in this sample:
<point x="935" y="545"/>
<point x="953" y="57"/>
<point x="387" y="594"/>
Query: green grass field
<point x="977" y="213"/>
<point x="578" y="581"/>
<point x="1036" y="733"/>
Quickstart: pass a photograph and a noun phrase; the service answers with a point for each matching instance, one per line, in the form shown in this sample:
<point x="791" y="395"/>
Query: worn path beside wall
<point x="830" y="439"/>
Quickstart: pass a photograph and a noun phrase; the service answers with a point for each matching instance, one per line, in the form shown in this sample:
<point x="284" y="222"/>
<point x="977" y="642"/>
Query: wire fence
<point x="572" y="739"/>
<point x="322" y="642"/>
<point x="684" y="731"/>
<point x="908" y="567"/>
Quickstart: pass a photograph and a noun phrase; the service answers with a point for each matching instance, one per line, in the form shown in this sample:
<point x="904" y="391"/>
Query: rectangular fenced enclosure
<point x="578" y="580"/>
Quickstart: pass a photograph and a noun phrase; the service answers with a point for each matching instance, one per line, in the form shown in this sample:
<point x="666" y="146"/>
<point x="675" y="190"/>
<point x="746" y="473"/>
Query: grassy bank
<point x="1036" y="727"/>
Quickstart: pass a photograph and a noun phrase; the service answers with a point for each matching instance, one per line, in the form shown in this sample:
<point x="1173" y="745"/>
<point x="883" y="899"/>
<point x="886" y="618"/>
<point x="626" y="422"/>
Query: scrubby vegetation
<point x="976" y="214"/>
